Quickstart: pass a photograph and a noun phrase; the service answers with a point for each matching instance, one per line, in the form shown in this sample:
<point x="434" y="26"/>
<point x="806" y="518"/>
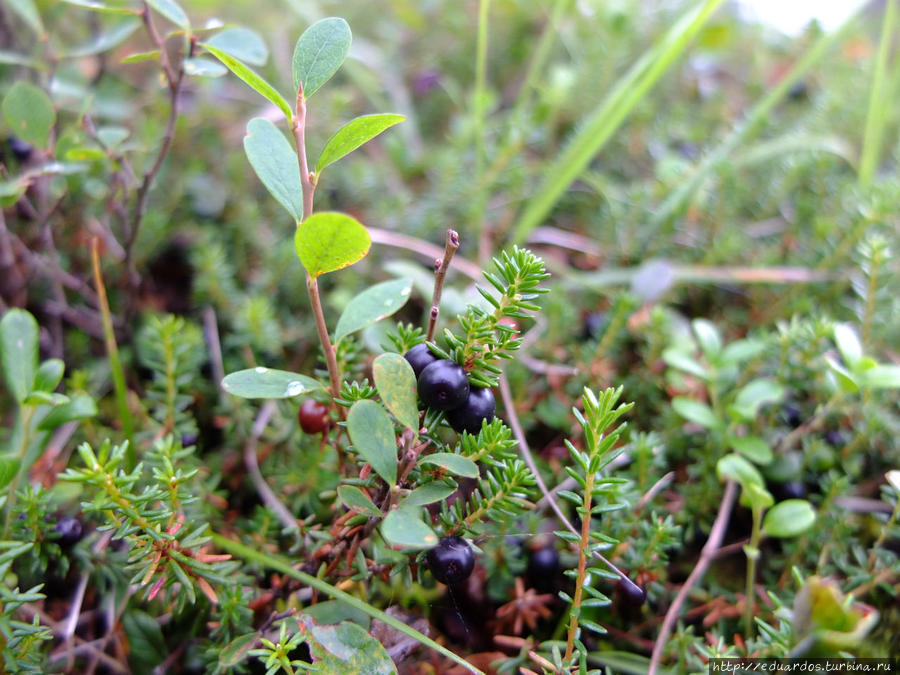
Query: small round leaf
<point x="329" y="241"/>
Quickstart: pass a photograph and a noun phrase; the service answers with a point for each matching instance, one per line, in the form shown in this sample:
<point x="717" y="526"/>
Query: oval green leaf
<point x="253" y="80"/>
<point x="243" y="44"/>
<point x="262" y="382"/>
<point x="200" y="67"/>
<point x="429" y="493"/>
<point x="357" y="500"/>
<point x="753" y="448"/>
<point x="80" y="407"/>
<point x="330" y="241"/>
<point x="27" y="11"/>
<point x="172" y="11"/>
<point x="695" y="411"/>
<point x="9" y="467"/>
<point x="275" y="162"/>
<point x="238" y="649"/>
<point x="106" y="40"/>
<point x="319" y="52"/>
<point x="49" y="374"/>
<point x="396" y="384"/>
<point x="372" y="434"/>
<point x="354" y="134"/>
<point x="372" y="305"/>
<point x="404" y="528"/>
<point x="346" y="648"/>
<point x="736" y="468"/>
<point x="848" y="344"/>
<point x="19" y="351"/>
<point x="708" y="337"/>
<point x="753" y="396"/>
<point x="29" y="113"/>
<point x="455" y="464"/>
<point x="789" y="518"/>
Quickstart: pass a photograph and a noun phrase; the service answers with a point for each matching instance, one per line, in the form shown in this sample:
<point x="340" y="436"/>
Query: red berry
<point x="313" y="416"/>
<point x="443" y="385"/>
<point x="451" y="561"/>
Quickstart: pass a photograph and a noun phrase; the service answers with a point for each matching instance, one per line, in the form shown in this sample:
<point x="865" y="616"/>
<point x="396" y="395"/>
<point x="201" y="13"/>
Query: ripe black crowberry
<point x="419" y="357"/>
<point x="479" y="406"/>
<point x="21" y="150"/>
<point x="451" y="561"/>
<point x="313" y="416"/>
<point x="70" y="530"/>
<point x="443" y="385"/>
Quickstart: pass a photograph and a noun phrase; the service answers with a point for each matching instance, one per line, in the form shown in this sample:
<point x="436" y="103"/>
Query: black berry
<point x="792" y="416"/>
<point x="479" y="406"/>
<point x="834" y="438"/>
<point x="451" y="561"/>
<point x="313" y="416"/>
<point x="629" y="594"/>
<point x="70" y="530"/>
<point x="419" y="357"/>
<point x="443" y="385"/>
<point x="21" y="150"/>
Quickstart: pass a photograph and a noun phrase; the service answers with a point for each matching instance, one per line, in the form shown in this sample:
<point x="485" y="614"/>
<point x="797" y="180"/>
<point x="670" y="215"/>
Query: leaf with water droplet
<point x="372" y="305"/>
<point x="262" y="382"/>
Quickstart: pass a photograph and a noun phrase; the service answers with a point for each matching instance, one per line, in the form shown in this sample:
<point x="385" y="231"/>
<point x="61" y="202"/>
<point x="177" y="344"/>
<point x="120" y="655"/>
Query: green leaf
<point x="80" y="407"/>
<point x="102" y="7"/>
<point x="789" y="518"/>
<point x="11" y="191"/>
<point x="848" y="345"/>
<point x="319" y="52"/>
<point x="752" y="447"/>
<point x="106" y="40"/>
<point x="346" y="648"/>
<point x="9" y="467"/>
<point x="152" y="55"/>
<point x="736" y="468"/>
<point x="428" y="494"/>
<point x="881" y="377"/>
<point x="262" y="382"/>
<point x="372" y="305"/>
<point x="243" y="44"/>
<point x="238" y="649"/>
<point x="19" y="351"/>
<point x="396" y="384"/>
<point x="404" y="528"/>
<point x="145" y="639"/>
<point x="329" y="241"/>
<point x="695" y="411"/>
<point x="756" y="497"/>
<point x="354" y="134"/>
<point x="333" y="612"/>
<point x="253" y="80"/>
<point x="708" y="337"/>
<point x="27" y="11"/>
<point x="200" y="67"/>
<point x="49" y="374"/>
<point x="372" y="434"/>
<point x="753" y="395"/>
<point x="16" y="59"/>
<point x="455" y="464"/>
<point x="679" y="360"/>
<point x="357" y="500"/>
<point x="741" y="350"/>
<point x="172" y="11"/>
<point x="275" y="162"/>
<point x="29" y="113"/>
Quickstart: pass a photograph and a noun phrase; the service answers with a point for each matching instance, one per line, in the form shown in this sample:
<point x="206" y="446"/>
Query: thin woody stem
<point x="440" y="271"/>
<point x="308" y="184"/>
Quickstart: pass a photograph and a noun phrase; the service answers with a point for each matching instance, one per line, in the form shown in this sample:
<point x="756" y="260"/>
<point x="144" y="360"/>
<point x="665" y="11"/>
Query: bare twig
<point x="654" y="490"/>
<point x="251" y="463"/>
<point x="706" y="557"/>
<point x="440" y="271"/>
<point x="211" y="331"/>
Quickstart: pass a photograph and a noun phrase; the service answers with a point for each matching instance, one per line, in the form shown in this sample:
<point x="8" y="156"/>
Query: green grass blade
<point x="676" y="202"/>
<point x="281" y="565"/>
<point x="606" y="119"/>
<point x="879" y="105"/>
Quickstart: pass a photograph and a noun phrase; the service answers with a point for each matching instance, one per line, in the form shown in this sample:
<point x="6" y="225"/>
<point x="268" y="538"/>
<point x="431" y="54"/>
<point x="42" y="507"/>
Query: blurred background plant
<point x="718" y="206"/>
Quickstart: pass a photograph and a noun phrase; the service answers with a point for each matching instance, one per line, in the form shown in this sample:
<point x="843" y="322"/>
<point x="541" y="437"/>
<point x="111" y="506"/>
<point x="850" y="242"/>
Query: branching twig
<point x="706" y="557"/>
<point x="440" y="271"/>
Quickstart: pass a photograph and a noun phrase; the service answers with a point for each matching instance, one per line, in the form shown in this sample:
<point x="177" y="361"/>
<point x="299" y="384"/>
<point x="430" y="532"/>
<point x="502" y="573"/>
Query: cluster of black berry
<point x="443" y="385"/>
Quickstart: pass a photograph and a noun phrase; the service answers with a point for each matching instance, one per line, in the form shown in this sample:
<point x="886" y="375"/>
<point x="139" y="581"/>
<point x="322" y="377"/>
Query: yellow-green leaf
<point x="354" y="134"/>
<point x="330" y="241"/>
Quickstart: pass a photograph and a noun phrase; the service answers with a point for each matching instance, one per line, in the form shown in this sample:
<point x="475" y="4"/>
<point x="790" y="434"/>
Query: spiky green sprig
<point x="504" y="492"/>
<point x="354" y="391"/>
<point x="485" y="337"/>
<point x="493" y="444"/>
